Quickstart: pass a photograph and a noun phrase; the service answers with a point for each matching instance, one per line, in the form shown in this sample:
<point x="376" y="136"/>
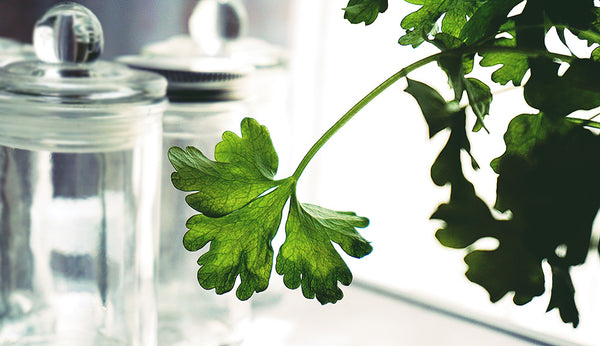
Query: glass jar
<point x="216" y="77"/>
<point x="202" y="105"/>
<point x="80" y="145"/>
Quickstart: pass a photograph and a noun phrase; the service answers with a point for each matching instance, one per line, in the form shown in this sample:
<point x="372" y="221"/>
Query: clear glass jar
<point x="202" y="105"/>
<point x="80" y="144"/>
<point x="216" y="77"/>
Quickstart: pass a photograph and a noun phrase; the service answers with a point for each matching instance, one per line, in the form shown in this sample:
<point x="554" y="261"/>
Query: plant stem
<point x="585" y="122"/>
<point x="357" y="107"/>
<point x="403" y="73"/>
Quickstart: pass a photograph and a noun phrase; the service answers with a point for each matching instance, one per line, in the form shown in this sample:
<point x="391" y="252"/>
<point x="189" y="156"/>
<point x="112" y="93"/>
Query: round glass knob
<point x="68" y="32"/>
<point x="215" y="22"/>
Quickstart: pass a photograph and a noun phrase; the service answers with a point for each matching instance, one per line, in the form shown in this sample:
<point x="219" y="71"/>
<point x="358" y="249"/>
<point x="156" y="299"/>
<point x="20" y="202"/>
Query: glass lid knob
<point x="214" y="23"/>
<point x="68" y="32"/>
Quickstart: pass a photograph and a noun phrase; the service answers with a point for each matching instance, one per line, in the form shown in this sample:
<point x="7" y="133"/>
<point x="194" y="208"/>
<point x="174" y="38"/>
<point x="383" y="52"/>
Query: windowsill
<point x="369" y="315"/>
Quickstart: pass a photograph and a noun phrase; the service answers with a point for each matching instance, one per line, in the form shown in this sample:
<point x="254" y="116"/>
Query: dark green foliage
<point x="545" y="176"/>
<point x="577" y="89"/>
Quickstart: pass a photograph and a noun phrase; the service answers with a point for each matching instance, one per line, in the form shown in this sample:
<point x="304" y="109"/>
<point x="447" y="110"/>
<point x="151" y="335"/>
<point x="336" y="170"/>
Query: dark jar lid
<point x="196" y="79"/>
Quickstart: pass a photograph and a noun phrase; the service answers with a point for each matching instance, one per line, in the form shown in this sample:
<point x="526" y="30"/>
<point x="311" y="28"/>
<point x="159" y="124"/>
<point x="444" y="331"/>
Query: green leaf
<point x="596" y="54"/>
<point x="241" y="211"/>
<point x="421" y="23"/>
<point x="546" y="180"/>
<point x="308" y="258"/>
<point x="244" y="169"/>
<point x="578" y="14"/>
<point x="467" y="218"/>
<point x="576" y="89"/>
<point x="513" y="266"/>
<point x="436" y="111"/>
<point x="455" y="65"/>
<point x="592" y="33"/>
<point x="563" y="294"/>
<point x="447" y="168"/>
<point x="522" y="135"/>
<point x="480" y="99"/>
<point x="514" y="65"/>
<point x="509" y="268"/>
<point x="240" y="244"/>
<point x="486" y="21"/>
<point x="439" y="116"/>
<point x="366" y="11"/>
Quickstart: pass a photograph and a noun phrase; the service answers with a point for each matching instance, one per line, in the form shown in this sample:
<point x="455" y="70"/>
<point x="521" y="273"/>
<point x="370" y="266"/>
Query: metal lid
<point x="214" y="61"/>
<point x="196" y="79"/>
<point x="68" y="40"/>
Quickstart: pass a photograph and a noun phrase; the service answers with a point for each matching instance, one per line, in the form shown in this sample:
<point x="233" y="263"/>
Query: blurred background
<point x="129" y="25"/>
<point x="410" y="290"/>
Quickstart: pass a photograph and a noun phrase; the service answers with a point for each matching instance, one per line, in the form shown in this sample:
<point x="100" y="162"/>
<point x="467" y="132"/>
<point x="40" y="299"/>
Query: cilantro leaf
<point x="596" y="54"/>
<point x="420" y="24"/>
<point x="436" y="111"/>
<point x="563" y="295"/>
<point x="244" y="169"/>
<point x="522" y="135"/>
<point x="468" y="218"/>
<point x="366" y="11"/>
<point x="576" y="89"/>
<point x="241" y="208"/>
<point x="543" y="180"/>
<point x="487" y="20"/>
<point x="447" y="167"/>
<point x="439" y="116"/>
<point x="480" y="99"/>
<point x="455" y="65"/>
<point x="308" y="258"/>
<point x="509" y="268"/>
<point x="592" y="32"/>
<point x="578" y="14"/>
<point x="514" y="65"/>
<point x="240" y="244"/>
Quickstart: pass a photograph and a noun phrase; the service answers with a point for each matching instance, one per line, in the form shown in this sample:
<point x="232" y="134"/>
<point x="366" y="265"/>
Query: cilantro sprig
<point x="543" y="176"/>
<point x="241" y="206"/>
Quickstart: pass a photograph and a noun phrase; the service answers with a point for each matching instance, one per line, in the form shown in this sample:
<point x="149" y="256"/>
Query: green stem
<point x="585" y="122"/>
<point x="356" y="108"/>
<point x="403" y="73"/>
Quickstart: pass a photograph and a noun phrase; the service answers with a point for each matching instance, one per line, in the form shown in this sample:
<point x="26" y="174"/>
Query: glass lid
<point x="8" y="45"/>
<point x="11" y="50"/>
<point x="68" y="40"/>
<point x="217" y="28"/>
